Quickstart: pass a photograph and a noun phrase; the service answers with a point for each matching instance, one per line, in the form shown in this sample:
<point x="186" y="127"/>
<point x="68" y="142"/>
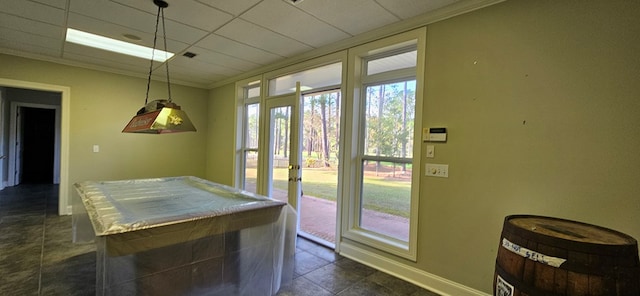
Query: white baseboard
<point x="410" y="274"/>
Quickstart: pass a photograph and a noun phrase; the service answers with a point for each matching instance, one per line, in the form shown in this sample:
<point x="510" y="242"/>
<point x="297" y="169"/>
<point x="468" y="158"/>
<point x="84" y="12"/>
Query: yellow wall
<point x="101" y="105"/>
<point x="542" y="104"/>
<point x="221" y="136"/>
<point x="540" y="98"/>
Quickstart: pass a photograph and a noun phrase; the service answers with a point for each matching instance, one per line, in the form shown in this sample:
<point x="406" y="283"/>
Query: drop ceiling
<point x="230" y="37"/>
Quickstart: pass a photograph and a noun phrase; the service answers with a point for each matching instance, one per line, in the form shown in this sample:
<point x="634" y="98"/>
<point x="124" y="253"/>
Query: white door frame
<point x="15" y="130"/>
<point x="64" y="205"/>
<point x="2" y="155"/>
<point x="294" y="184"/>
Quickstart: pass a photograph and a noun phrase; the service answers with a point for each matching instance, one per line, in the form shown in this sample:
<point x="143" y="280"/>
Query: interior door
<point x="283" y="169"/>
<point x="19" y="147"/>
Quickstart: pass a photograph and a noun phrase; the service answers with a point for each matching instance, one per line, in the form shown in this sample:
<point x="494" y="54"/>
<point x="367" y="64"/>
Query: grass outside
<point x="381" y="192"/>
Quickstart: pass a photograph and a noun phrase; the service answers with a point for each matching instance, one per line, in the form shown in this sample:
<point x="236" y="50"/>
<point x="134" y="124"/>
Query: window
<point x="386" y="159"/>
<point x="316" y="78"/>
<point x="249" y="105"/>
<point x="382" y="186"/>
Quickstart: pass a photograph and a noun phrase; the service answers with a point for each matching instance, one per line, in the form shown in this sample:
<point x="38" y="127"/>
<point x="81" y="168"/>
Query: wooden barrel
<point x="550" y="256"/>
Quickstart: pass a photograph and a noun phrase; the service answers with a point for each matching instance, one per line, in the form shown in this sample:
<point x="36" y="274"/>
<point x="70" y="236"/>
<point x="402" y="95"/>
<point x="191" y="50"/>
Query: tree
<point x="323" y="119"/>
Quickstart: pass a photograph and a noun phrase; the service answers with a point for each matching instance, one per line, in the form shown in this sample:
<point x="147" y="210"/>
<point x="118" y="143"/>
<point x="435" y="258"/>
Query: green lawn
<point x="380" y="193"/>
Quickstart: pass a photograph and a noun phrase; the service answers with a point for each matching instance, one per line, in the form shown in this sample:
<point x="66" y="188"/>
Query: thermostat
<point x="434" y="134"/>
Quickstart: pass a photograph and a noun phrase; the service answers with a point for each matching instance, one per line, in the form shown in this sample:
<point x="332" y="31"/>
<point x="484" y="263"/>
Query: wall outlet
<point x="437" y="170"/>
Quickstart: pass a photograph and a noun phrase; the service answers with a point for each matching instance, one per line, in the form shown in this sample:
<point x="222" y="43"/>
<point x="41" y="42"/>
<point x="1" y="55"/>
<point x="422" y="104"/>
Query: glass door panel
<point x="279" y="152"/>
<point x="320" y="143"/>
<point x="283" y="156"/>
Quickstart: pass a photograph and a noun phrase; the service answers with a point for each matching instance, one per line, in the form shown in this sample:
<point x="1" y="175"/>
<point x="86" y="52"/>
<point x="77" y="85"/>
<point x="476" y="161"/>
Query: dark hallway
<point x="37" y="145"/>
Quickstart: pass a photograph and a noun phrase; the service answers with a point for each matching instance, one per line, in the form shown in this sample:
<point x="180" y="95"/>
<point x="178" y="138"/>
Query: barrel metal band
<point x="532" y="255"/>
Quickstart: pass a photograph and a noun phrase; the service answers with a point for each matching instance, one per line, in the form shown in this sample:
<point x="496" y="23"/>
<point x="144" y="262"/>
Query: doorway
<point x="37" y="145"/>
<point x="320" y="163"/>
<point x="303" y="134"/>
<point x="61" y="160"/>
<point x="34" y="144"/>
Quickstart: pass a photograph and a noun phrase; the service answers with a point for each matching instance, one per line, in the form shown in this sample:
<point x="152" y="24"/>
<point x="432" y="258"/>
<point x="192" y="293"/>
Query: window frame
<point x="242" y="103"/>
<point x="356" y="96"/>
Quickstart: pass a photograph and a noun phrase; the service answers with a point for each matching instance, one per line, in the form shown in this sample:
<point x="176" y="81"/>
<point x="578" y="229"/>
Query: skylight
<point x="105" y="43"/>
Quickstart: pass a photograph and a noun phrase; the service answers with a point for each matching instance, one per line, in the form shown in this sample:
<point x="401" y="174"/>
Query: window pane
<point x="250" y="171"/>
<point x="389" y="119"/>
<point x="253" y="92"/>
<point x="280" y="143"/>
<point x="390" y="63"/>
<point x="315" y="78"/>
<point x="252" y="125"/>
<point x="386" y="198"/>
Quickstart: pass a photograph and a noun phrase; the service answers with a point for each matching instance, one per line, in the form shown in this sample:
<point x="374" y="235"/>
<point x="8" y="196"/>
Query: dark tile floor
<point x="38" y="258"/>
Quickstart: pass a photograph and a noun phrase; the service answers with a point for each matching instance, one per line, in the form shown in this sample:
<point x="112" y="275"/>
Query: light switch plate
<point x="431" y="153"/>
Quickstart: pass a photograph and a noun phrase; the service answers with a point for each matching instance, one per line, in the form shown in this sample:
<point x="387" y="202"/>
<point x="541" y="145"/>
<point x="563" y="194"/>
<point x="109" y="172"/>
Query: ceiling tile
<point x="114" y="31"/>
<point x="202" y="77"/>
<point x="239" y="50"/>
<point x="286" y="19"/>
<point x="342" y="14"/>
<point x="24" y="42"/>
<point x="190" y="13"/>
<point x="410" y="8"/>
<point x="31" y="26"/>
<point x="115" y="13"/>
<point x="62" y="4"/>
<point x="106" y="57"/>
<point x="34" y="11"/>
<point x="233" y="7"/>
<point x="256" y="36"/>
<point x="142" y="21"/>
<point x="230" y="36"/>
<point x="194" y="65"/>
<point x="216" y="58"/>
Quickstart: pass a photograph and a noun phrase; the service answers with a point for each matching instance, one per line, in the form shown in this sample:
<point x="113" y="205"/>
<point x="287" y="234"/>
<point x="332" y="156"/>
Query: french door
<point x="281" y="164"/>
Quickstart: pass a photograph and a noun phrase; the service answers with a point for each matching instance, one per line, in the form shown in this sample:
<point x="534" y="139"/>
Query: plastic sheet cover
<point x="184" y="236"/>
<point x="122" y="206"/>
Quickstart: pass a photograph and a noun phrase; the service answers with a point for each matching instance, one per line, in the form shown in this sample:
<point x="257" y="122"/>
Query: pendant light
<point x="159" y="116"/>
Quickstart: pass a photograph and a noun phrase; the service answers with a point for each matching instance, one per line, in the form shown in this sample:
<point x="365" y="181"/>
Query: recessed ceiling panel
<point x="137" y="20"/>
<point x="35" y="44"/>
<point x="31" y="26"/>
<point x="30" y="39"/>
<point x="107" y="62"/>
<point x="229" y="36"/>
<point x="410" y="8"/>
<point x="106" y="57"/>
<point x="190" y="13"/>
<point x="216" y="58"/>
<point x="62" y="4"/>
<point x="342" y="14"/>
<point x="196" y="66"/>
<point x="233" y="7"/>
<point x="34" y="11"/>
<point x="114" y="31"/>
<point x="239" y="50"/>
<point x="286" y="19"/>
<point x="259" y="37"/>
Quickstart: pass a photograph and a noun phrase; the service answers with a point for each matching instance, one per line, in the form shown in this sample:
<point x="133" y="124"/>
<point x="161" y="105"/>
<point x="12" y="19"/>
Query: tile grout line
<point x="44" y="228"/>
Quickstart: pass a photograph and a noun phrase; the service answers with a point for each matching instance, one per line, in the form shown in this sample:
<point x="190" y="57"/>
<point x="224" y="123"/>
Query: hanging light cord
<point x="166" y="63"/>
<point x="155" y="38"/>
